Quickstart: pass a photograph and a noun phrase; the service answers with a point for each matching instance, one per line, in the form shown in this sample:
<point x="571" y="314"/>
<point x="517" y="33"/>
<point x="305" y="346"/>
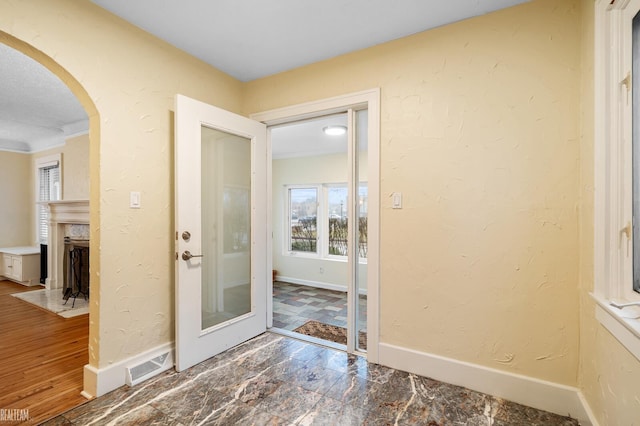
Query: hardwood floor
<point x="42" y="356"/>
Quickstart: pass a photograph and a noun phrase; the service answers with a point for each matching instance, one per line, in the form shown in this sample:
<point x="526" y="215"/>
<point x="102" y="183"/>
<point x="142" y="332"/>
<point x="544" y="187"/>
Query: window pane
<point x="363" y="203"/>
<point x="636" y="152"/>
<point x="302" y="218"/>
<point x="337" y="213"/>
<point x="49" y="190"/>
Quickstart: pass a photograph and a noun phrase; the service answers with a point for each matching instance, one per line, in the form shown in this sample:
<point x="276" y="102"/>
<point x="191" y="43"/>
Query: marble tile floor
<point x="275" y="380"/>
<point x="51" y="300"/>
<point x="294" y="305"/>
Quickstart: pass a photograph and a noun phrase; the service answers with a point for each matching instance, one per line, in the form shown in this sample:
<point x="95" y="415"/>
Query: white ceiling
<point x="37" y="110"/>
<point x="247" y="39"/>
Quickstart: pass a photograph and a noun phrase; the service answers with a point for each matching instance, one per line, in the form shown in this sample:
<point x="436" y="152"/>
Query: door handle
<point x="187" y="255"/>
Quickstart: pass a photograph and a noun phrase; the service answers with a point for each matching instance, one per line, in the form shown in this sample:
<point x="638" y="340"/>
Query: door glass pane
<point x="361" y="233"/>
<point x="226" y="227"/>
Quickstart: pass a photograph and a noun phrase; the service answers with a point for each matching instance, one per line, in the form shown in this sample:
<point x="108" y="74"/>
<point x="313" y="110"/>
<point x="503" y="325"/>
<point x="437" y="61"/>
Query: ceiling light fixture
<point x="334" y="130"/>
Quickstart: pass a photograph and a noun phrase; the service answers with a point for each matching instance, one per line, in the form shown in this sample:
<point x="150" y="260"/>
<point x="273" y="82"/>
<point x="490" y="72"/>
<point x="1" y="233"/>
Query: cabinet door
<point x="7" y="266"/>
<point x="17" y="267"/>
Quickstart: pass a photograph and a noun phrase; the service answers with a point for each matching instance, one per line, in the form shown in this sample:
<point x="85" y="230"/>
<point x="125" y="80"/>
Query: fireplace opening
<point x="43" y="264"/>
<point x="76" y="270"/>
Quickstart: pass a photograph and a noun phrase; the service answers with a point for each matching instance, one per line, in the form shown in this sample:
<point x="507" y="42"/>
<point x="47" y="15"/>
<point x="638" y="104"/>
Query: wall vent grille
<point x="147" y="369"/>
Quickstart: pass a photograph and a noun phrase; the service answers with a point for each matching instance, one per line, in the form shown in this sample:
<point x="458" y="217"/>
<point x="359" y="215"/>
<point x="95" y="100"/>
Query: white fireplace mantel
<point x="68" y="211"/>
<point x="61" y="213"/>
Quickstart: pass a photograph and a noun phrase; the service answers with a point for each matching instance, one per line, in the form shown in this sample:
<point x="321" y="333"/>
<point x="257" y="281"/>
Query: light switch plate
<point x="134" y="200"/>
<point x="396" y="200"/>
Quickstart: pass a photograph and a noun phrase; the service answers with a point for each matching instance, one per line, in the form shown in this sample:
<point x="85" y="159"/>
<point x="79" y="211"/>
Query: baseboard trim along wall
<point x="540" y="394"/>
<point x="317" y="284"/>
<point x="100" y="381"/>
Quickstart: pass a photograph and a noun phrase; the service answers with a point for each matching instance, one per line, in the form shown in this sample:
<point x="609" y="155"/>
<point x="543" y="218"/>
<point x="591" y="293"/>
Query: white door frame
<point x="370" y="98"/>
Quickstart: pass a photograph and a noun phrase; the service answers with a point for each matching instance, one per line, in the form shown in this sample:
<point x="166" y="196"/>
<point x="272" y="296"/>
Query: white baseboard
<point x="318" y="284"/>
<point x="540" y="394"/>
<point x="587" y="408"/>
<point x="100" y="381"/>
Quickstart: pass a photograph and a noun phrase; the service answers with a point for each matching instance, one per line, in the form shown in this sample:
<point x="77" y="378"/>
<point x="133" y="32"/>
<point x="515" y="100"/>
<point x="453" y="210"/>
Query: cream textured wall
<point x="609" y="374"/>
<point x="16" y="199"/>
<point x="130" y="78"/>
<point x="314" y="170"/>
<point x="76" y="168"/>
<point x="479" y="130"/>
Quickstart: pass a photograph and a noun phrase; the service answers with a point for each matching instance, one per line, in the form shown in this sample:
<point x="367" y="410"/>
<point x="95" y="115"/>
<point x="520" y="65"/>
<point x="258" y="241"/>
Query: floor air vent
<point x="147" y="369"/>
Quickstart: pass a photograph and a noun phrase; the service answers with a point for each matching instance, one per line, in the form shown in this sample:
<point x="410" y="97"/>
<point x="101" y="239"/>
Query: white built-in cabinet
<point x="20" y="264"/>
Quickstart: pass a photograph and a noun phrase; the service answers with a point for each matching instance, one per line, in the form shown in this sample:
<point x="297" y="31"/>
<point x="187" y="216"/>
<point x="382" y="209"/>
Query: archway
<point x="94" y="155"/>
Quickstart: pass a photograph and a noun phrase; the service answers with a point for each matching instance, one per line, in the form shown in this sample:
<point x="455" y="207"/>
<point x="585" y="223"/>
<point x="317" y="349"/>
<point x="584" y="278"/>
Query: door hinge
<point x="627" y="230"/>
<point x="626" y="82"/>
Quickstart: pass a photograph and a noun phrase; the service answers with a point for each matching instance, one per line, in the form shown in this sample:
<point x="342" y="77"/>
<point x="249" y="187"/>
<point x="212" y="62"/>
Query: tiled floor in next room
<point x="275" y="380"/>
<point x="294" y="305"/>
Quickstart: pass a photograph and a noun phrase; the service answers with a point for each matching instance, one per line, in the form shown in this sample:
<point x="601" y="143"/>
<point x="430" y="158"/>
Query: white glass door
<point x="221" y="217"/>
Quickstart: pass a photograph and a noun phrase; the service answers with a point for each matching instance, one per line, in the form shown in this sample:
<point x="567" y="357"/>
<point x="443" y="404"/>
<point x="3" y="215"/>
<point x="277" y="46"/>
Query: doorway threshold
<point x="313" y="340"/>
<point x="308" y="339"/>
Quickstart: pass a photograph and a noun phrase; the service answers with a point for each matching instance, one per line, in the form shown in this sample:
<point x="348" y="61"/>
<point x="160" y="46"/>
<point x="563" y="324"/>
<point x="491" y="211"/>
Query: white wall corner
<point x="540" y="394"/>
<point x="100" y="381"/>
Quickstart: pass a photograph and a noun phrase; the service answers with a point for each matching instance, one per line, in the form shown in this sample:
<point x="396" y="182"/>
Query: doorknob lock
<point x="187" y="255"/>
<point x="186" y="235"/>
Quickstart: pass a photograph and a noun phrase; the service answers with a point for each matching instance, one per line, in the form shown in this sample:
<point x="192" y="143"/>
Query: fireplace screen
<point x="76" y="269"/>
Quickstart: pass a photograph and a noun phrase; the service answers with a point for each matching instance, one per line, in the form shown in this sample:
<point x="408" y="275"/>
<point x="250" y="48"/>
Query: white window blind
<point x="48" y="190"/>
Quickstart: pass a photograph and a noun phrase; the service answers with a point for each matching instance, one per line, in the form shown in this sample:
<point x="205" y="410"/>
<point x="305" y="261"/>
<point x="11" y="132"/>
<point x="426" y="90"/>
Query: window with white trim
<point x="302" y="215"/>
<point x="317" y="220"/>
<point x="617" y="168"/>
<point x="48" y="188"/>
<point x="634" y="123"/>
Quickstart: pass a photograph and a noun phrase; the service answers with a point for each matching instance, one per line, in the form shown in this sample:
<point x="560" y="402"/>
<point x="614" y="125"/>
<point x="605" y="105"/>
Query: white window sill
<point x="302" y="254"/>
<point x="315" y="256"/>
<point x="626" y="330"/>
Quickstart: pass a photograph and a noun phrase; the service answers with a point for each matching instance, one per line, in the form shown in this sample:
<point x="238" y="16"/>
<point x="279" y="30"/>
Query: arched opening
<point x="50" y="408"/>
